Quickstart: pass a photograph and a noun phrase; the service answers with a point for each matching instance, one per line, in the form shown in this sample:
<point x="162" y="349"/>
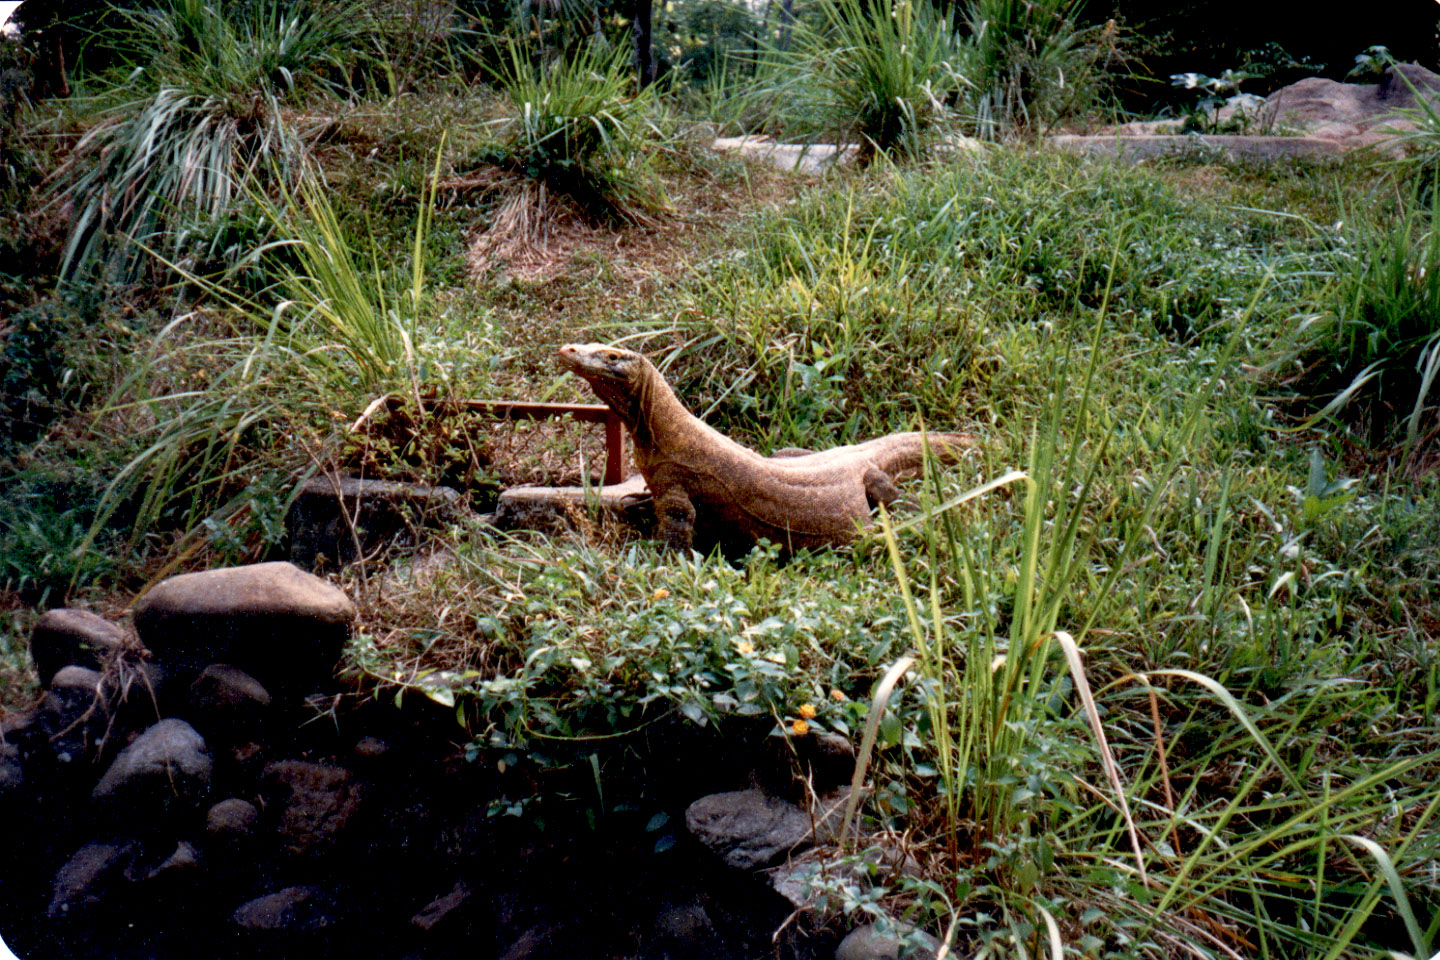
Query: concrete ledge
<point x="551" y="509"/>
<point x="1145" y="147"/>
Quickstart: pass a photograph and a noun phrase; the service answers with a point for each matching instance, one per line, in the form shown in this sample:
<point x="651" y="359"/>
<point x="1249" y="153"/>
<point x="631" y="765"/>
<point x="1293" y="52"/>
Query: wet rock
<point x="316" y="801"/>
<point x="438" y="909"/>
<point x="277" y="623"/>
<point x="12" y="773"/>
<point x="226" y="702"/>
<point x="68" y="637"/>
<point x="867" y="942"/>
<point x="164" y="771"/>
<point x="293" y="909"/>
<point x="89" y="876"/>
<point x="748" y="829"/>
<point x="74" y="715"/>
<point x="332" y="524"/>
<point x="231" y="820"/>
<point x="178" y="867"/>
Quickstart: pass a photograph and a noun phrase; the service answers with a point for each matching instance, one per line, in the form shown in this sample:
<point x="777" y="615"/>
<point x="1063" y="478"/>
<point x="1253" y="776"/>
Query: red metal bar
<point x="584" y="412"/>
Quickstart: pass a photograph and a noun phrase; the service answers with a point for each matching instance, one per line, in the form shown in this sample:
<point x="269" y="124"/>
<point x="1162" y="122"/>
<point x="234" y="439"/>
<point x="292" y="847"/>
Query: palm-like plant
<point x="877" y="74"/>
<point x="196" y="119"/>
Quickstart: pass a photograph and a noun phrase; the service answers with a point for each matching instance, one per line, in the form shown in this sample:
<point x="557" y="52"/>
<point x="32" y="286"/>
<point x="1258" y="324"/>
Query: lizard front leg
<point x="880" y="488"/>
<point x="674" y="513"/>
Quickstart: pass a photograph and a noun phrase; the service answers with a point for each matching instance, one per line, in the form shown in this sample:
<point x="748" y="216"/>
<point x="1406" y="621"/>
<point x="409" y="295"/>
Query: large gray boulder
<point x="165" y="771"/>
<point x="281" y="625"/>
<point x="748" y="829"/>
<point x="66" y="637"/>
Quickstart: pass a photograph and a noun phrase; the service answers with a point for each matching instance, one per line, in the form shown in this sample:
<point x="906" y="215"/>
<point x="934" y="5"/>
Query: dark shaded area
<point x="1286" y="40"/>
<point x="441" y="856"/>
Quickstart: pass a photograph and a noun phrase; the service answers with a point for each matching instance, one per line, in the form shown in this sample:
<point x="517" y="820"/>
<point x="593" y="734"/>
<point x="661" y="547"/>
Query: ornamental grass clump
<point x="577" y="141"/>
<point x="1029" y="64"/>
<point x="191" y="125"/>
<point x="881" y="75"/>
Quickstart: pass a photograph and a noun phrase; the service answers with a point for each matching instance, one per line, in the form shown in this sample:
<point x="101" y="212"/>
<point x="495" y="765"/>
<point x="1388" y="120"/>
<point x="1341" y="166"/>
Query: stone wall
<point x="203" y="787"/>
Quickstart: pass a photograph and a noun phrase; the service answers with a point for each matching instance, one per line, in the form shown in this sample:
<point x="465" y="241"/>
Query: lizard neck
<point x="656" y="417"/>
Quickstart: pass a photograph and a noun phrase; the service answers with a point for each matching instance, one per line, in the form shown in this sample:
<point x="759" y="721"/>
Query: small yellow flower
<point x="838" y="694"/>
<point x="799" y="728"/>
<point x="660" y="594"/>
<point x="807" y="710"/>
<point x="745" y="646"/>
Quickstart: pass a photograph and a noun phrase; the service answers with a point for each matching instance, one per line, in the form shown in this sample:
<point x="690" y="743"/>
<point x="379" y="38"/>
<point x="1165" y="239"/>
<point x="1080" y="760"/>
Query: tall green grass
<point x="1381" y="341"/>
<point x="222" y="428"/>
<point x="1135" y="848"/>
<point x="1030" y="65"/>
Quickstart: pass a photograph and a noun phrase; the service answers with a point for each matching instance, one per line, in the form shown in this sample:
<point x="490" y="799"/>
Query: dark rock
<point x="178" y="867"/>
<point x="748" y="829"/>
<point x="441" y="907"/>
<point x="293" y="909"/>
<point x="542" y="940"/>
<point x="316" y="801"/>
<point x="87" y="877"/>
<point x="277" y="623"/>
<point x="231" y="820"/>
<point x="12" y="773"/>
<point x="67" y="637"/>
<point x="333" y="524"/>
<point x="796" y="767"/>
<point x="74" y="715"/>
<point x="165" y="771"/>
<point x="226" y="702"/>
<point x="683" y="923"/>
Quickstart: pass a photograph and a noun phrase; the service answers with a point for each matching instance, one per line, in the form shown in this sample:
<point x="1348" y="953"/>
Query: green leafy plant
<point x="1215" y="94"/>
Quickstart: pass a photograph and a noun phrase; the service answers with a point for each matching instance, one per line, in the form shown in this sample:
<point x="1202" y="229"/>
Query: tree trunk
<point x="787" y="18"/>
<point x="641" y="28"/>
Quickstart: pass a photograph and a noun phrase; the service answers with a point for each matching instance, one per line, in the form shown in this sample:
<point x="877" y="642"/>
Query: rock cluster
<point x="199" y="787"/>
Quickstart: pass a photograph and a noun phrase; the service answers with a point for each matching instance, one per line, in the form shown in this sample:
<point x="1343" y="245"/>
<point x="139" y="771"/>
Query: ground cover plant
<point x="1151" y="674"/>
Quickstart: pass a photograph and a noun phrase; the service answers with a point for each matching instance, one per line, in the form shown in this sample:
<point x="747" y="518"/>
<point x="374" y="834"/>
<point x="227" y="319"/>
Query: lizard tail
<point x="903" y="454"/>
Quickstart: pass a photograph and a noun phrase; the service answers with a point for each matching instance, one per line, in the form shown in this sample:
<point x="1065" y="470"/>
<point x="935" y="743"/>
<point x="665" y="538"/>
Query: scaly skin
<point x="796" y="499"/>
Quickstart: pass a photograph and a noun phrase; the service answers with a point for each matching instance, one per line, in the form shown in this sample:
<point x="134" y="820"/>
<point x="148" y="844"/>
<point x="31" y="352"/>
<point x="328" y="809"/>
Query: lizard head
<point x="601" y="365"/>
<point x="625" y="380"/>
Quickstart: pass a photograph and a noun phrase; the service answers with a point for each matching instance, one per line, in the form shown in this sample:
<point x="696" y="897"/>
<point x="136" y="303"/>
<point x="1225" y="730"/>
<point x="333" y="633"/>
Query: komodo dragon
<point x="796" y="499"/>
